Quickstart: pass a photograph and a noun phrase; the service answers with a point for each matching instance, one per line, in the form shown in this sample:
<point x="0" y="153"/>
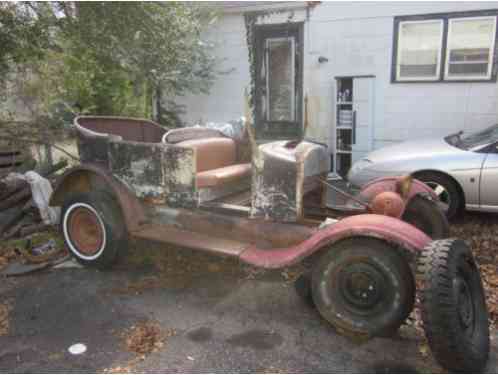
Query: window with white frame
<point x="419" y="50"/>
<point x="445" y="47"/>
<point x="470" y="48"/>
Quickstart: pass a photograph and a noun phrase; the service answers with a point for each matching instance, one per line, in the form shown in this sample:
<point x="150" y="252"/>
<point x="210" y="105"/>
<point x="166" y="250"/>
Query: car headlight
<point x="359" y="166"/>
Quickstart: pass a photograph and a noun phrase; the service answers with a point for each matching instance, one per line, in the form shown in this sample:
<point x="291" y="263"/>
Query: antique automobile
<point x="195" y="188"/>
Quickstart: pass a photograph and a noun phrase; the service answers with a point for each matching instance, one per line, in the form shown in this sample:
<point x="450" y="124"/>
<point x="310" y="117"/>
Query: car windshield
<point x="476" y="140"/>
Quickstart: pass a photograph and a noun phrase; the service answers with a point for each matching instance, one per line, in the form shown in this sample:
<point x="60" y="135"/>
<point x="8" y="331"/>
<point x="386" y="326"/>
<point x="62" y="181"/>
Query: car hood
<point x="423" y="148"/>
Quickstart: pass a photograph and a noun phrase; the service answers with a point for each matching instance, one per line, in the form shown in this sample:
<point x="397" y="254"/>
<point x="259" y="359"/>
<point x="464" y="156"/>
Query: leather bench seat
<point x="216" y="160"/>
<point x="220" y="176"/>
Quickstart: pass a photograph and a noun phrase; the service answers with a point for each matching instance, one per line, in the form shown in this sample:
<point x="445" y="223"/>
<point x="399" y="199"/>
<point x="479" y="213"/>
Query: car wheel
<point x="450" y="199"/>
<point x="93" y="228"/>
<point x="363" y="287"/>
<point x="454" y="312"/>
<point x="427" y="216"/>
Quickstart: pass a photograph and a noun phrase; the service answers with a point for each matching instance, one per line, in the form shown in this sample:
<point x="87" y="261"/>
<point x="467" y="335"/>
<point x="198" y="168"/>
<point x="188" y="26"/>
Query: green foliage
<point x="108" y="58"/>
<point x="23" y="36"/>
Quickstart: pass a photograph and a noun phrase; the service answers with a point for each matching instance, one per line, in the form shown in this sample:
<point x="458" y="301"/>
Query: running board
<point x="194" y="240"/>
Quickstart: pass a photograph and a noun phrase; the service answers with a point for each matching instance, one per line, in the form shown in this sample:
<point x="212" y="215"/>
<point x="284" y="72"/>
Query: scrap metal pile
<point x="20" y="207"/>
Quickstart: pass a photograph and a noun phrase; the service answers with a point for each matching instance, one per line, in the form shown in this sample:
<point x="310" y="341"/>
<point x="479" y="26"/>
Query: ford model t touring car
<point x="196" y="188"/>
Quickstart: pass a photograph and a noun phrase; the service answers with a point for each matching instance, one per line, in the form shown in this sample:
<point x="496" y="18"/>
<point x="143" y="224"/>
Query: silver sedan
<point x="462" y="169"/>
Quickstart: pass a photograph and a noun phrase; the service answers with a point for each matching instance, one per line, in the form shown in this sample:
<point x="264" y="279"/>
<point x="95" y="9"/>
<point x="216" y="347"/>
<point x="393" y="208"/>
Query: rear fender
<point x="386" y="228"/>
<point x="86" y="178"/>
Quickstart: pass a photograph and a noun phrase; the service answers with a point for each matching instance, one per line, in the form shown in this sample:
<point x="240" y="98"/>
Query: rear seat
<point x="216" y="160"/>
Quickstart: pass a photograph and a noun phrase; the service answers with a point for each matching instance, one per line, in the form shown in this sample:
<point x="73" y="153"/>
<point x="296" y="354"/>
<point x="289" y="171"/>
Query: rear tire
<point x="363" y="287"/>
<point x="454" y="312"/>
<point x="428" y="217"/>
<point x="446" y="190"/>
<point x="93" y="228"/>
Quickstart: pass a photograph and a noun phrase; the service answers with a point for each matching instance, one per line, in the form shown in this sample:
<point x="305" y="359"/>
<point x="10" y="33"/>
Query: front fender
<point x="86" y="178"/>
<point x="366" y="225"/>
<point x="370" y="190"/>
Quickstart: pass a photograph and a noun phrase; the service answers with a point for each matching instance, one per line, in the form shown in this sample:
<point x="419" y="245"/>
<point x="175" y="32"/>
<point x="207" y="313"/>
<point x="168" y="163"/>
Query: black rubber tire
<point x="456" y="199"/>
<point x="109" y="211"/>
<point x="302" y="285"/>
<point x="456" y="347"/>
<point x="426" y="215"/>
<point x="390" y="308"/>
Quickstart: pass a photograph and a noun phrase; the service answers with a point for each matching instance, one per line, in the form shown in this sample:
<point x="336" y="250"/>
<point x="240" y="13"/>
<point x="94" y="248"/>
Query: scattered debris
<point x="4" y="318"/>
<point x="68" y="262"/>
<point x="214" y="267"/>
<point x="274" y="370"/>
<point x="424" y="350"/>
<point x="77" y="349"/>
<point x="37" y="251"/>
<point x="44" y="249"/>
<point x="146" y="337"/>
<point x="138" y="287"/>
<point x="291" y="274"/>
<point x="480" y="231"/>
<point x="18" y="269"/>
<point x="25" y="196"/>
<point x="118" y="370"/>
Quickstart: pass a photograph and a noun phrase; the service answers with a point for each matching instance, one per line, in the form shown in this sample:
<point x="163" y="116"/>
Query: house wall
<point x="357" y="38"/>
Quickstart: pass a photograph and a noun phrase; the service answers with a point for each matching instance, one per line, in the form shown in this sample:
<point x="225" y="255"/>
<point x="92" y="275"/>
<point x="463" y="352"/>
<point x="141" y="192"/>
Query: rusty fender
<point x="377" y="186"/>
<point x="367" y="225"/>
<point x="90" y="177"/>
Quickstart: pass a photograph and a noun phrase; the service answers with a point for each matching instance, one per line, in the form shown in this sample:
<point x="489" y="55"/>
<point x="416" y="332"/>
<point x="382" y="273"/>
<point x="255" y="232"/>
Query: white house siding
<point x="357" y="38"/>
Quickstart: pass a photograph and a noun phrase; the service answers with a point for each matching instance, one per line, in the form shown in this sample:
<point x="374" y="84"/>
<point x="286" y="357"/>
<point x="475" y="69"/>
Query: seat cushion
<point x="220" y="176"/>
<point x="212" y="153"/>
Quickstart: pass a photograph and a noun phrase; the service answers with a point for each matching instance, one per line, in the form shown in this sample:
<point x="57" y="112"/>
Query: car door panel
<point x="489" y="183"/>
<point x="468" y="179"/>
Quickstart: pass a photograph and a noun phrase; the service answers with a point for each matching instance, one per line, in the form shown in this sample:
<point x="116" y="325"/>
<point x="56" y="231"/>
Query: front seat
<point x="216" y="160"/>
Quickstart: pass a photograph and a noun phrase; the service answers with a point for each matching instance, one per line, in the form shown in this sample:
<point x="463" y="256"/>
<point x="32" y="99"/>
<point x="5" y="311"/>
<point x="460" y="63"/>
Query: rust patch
<point x="85" y="231"/>
<point x="274" y="194"/>
<point x="283" y="172"/>
<point x="138" y="166"/>
<point x="179" y="170"/>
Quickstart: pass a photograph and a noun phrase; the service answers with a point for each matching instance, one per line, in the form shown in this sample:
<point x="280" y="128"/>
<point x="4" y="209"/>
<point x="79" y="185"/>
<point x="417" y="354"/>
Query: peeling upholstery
<point x="216" y="160"/>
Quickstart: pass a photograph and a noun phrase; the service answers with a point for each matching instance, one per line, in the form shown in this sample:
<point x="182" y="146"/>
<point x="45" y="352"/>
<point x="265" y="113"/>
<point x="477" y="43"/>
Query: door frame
<point x="281" y="128"/>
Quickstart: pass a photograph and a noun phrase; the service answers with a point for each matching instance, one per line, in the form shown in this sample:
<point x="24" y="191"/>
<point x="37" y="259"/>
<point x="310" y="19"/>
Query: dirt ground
<point x="165" y="309"/>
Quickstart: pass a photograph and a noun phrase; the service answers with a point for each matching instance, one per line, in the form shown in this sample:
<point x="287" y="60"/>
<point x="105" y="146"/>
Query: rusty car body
<point x="196" y="188"/>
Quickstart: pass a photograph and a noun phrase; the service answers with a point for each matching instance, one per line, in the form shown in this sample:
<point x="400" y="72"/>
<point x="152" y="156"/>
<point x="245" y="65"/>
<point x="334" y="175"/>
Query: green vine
<point x="250" y="19"/>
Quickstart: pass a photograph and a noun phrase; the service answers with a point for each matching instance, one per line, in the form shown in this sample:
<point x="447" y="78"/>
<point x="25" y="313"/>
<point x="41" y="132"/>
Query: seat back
<point x="129" y="129"/>
<point x="212" y="153"/>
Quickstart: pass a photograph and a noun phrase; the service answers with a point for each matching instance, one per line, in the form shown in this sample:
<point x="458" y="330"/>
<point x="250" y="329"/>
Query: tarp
<point x="41" y="190"/>
<point x="233" y="129"/>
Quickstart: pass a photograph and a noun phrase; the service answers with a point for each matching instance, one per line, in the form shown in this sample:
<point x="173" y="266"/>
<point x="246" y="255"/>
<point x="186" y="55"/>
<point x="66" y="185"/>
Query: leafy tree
<point x="23" y="36"/>
<point x="107" y="57"/>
